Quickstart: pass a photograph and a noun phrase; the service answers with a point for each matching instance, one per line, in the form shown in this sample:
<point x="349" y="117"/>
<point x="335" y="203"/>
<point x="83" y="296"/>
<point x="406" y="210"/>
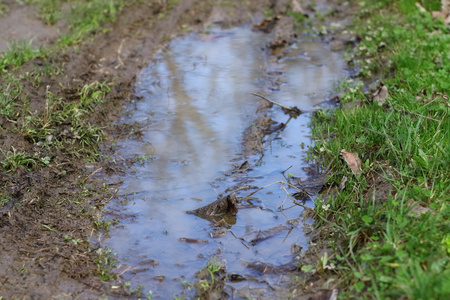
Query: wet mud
<point x="48" y="246"/>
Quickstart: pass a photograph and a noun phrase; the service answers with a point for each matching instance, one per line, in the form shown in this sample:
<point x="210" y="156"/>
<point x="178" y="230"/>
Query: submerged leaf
<point x="269" y="268"/>
<point x="261" y="235"/>
<point x="193" y="241"/>
<point x="352" y="161"/>
<point x="222" y="206"/>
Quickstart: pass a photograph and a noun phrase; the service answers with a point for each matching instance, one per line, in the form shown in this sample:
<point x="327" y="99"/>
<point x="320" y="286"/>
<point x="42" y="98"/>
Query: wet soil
<point x="46" y="228"/>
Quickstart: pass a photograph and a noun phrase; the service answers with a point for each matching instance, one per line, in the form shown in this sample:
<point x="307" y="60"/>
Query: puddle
<point x="196" y="98"/>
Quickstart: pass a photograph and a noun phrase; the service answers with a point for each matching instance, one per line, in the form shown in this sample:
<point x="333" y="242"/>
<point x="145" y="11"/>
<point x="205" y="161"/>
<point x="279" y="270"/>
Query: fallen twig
<point x="282" y="183"/>
<point x="292" y="111"/>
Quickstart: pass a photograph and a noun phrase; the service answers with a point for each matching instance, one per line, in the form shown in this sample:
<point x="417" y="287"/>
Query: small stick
<point x="292" y="111"/>
<point x="119" y="53"/>
<point x="271" y="101"/>
<point x="279" y="181"/>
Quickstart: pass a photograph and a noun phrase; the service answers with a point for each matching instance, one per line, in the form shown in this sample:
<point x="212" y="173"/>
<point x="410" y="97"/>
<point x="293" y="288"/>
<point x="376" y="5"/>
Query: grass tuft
<point x="17" y="55"/>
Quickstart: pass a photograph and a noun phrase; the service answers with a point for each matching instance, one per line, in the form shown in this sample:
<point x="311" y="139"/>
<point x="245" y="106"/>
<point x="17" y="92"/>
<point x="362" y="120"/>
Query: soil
<point x="47" y="227"/>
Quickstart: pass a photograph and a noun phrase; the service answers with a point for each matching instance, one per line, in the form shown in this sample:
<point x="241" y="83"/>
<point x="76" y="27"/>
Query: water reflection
<point x="198" y="105"/>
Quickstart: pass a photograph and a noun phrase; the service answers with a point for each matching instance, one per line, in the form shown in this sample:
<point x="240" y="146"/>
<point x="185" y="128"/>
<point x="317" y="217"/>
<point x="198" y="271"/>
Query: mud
<point x="21" y="24"/>
<point x="47" y="226"/>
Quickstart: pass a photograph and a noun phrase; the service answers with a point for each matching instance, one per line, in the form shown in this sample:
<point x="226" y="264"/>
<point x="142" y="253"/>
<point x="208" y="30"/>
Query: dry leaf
<point x="380" y="95"/>
<point x="445" y="6"/>
<point x="443" y="15"/>
<point x="266" y="25"/>
<point x="352" y="161"/>
<point x="343" y="182"/>
<point x="418" y="209"/>
<point x="420" y="7"/>
<point x="193" y="241"/>
<point x="222" y="206"/>
<point x="437" y="14"/>
<point x="325" y="295"/>
<point x="296" y="7"/>
<point x="261" y="235"/>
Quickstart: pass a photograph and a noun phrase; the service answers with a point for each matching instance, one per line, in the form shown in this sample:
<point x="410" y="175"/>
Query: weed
<point x="142" y="159"/>
<point x="102" y="224"/>
<point x="63" y="123"/>
<point x="13" y="159"/>
<point x="268" y="12"/>
<point x="4" y="198"/>
<point x="207" y="275"/>
<point x="87" y="16"/>
<point x="105" y="261"/>
<point x="9" y="98"/>
<point x="50" y="11"/>
<point x="17" y="55"/>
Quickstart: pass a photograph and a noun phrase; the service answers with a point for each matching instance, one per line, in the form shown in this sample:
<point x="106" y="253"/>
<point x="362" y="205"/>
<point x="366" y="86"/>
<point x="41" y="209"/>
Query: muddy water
<point x="196" y="99"/>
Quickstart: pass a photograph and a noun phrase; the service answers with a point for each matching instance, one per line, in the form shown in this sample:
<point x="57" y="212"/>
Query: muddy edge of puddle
<point x="276" y="49"/>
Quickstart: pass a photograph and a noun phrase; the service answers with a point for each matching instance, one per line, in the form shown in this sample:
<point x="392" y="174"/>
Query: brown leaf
<point x="296" y="7"/>
<point x="380" y="94"/>
<point x="441" y="14"/>
<point x="266" y="25"/>
<point x="352" y="161"/>
<point x="261" y="235"/>
<point x="418" y="209"/>
<point x="193" y="241"/>
<point x="343" y="182"/>
<point x="222" y="206"/>
<point x="421" y="8"/>
<point x="438" y="14"/>
<point x="211" y="37"/>
<point x="271" y="268"/>
<point x="445" y="6"/>
<point x="325" y="295"/>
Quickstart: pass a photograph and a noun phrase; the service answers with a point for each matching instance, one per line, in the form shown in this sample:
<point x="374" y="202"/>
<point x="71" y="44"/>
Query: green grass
<point x="8" y="99"/>
<point x="63" y="123"/>
<point x="11" y="160"/>
<point x="17" y="55"/>
<point x="106" y="260"/>
<point x="210" y="278"/>
<point x="4" y="198"/>
<point x="83" y="18"/>
<point x="383" y="249"/>
<point x="87" y="17"/>
<point x="4" y="9"/>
